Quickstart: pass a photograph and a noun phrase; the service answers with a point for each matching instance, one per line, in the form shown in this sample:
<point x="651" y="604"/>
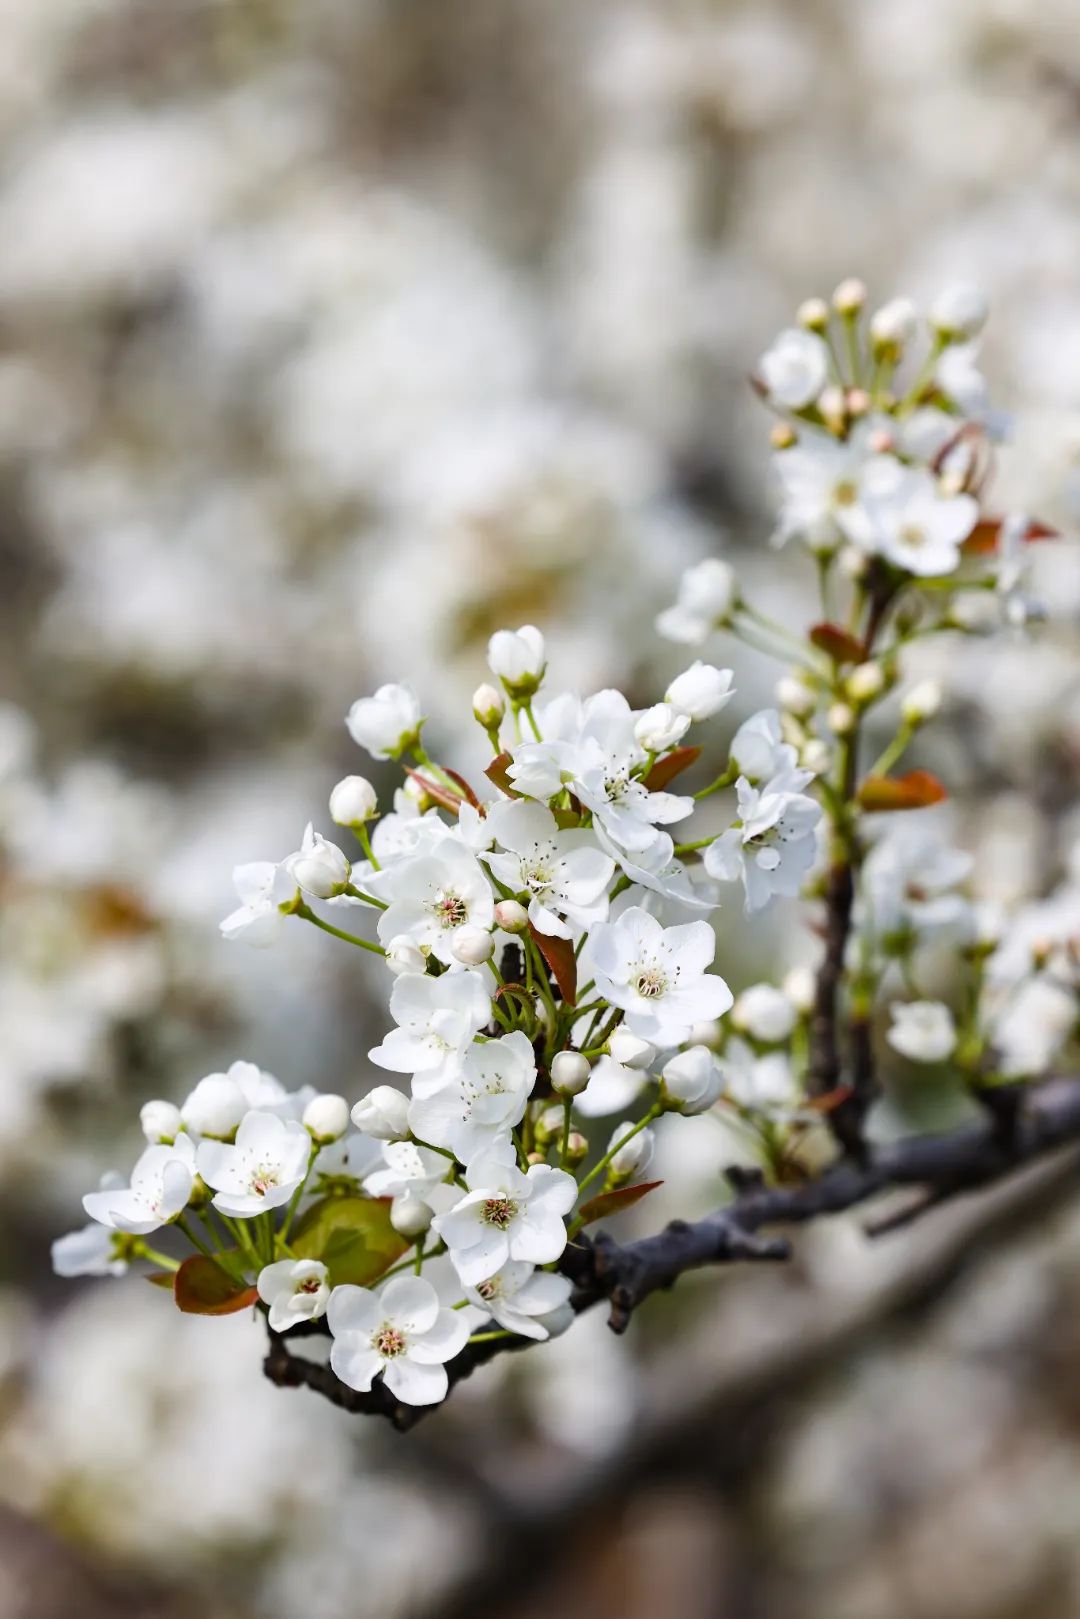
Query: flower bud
<point x="764" y="1013"/>
<point x="893" y="325"/>
<point x="814" y="756"/>
<point x="813" y="314"/>
<point x="319" y="867"/>
<point x="326" y="1118"/>
<point x="410" y="1216"/>
<point x="488" y="705"/>
<point x="569" y="1073"/>
<point x="403" y="955"/>
<point x="383" y="1113"/>
<point x="691" y="1082"/>
<point x="472" y="945"/>
<point x="577" y="1147"/>
<point x="865" y="682"/>
<point x="841" y="717"/>
<point x="795" y="369"/>
<point x="630" y="1050"/>
<point x="353" y="801"/>
<point x="959" y="312"/>
<point x="214" y="1108"/>
<point x="511" y="916"/>
<point x="795" y="696"/>
<point x="633" y="1156"/>
<point x="549" y="1125"/>
<point x="858" y="402"/>
<point x="833" y="407"/>
<point x="705" y="1033"/>
<point x="782" y="436"/>
<point x="800" y="987"/>
<point x="852" y="562"/>
<point x="161" y="1121"/>
<point x="850" y="296"/>
<point x="417" y="793"/>
<point x="387" y="724"/>
<point x="922" y="702"/>
<point x="700" y="691"/>
<point x="517" y="658"/>
<point x="661" y="727"/>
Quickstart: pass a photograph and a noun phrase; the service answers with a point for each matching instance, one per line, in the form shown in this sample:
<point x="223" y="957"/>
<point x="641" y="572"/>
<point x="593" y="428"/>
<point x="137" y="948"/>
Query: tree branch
<point x="1041" y="1118"/>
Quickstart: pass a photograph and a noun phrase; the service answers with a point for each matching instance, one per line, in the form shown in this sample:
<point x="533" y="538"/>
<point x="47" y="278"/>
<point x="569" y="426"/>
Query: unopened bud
<point x="577" y="1147"/>
<point x="959" y="313"/>
<point x="800" y="987"/>
<point x="410" y="1216"/>
<point x="417" y="794"/>
<point x="511" y="916"/>
<point x="833" y="407"/>
<point x="549" y="1125"/>
<point x="795" y="695"/>
<point x="893" y="325"/>
<point x="841" y="719"/>
<point x="569" y="1073"/>
<point x="865" y="682"/>
<point x="814" y="755"/>
<point x="488" y="705"/>
<point x="326" y="1118"/>
<point x="922" y="702"/>
<point x="472" y="945"/>
<point x="858" y="401"/>
<point x="782" y="436"/>
<point x="353" y="801"/>
<point x="849" y="297"/>
<point x="383" y="1113"/>
<point x="881" y="441"/>
<point x="630" y="1050"/>
<point x="536" y="1157"/>
<point x="161" y="1121"/>
<point x="813" y="314"/>
<point x="633" y="1156"/>
<point x="852" y="562"/>
<point x="705" y="1033"/>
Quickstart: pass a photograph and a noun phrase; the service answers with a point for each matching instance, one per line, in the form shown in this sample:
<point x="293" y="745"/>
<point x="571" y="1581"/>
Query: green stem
<point x="338" y="933"/>
<point x="144" y="1251"/>
<point x="598" y="1169"/>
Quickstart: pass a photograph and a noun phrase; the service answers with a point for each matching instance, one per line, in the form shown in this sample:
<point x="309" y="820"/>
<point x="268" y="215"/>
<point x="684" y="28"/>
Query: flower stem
<point x="338" y="933"/>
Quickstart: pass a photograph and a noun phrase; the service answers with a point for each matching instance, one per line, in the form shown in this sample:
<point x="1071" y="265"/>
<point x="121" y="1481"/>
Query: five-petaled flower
<point x="400" y="1331"/>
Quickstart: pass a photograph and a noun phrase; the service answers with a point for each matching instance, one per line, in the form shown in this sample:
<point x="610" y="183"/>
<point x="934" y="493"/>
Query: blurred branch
<point x="1041" y="1118"/>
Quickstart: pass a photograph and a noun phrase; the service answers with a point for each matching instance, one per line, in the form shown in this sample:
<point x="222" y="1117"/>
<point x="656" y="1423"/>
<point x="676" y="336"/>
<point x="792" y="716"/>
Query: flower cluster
<point x="544" y="932"/>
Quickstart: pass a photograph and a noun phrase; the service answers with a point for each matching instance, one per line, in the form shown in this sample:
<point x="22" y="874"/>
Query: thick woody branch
<point x="1030" y="1123"/>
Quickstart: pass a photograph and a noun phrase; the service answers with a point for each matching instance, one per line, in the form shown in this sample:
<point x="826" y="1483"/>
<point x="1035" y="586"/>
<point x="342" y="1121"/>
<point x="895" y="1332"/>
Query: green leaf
<point x="201" y="1287"/>
<point x="614" y="1202"/>
<point x="352" y="1236"/>
<point x="671" y="765"/>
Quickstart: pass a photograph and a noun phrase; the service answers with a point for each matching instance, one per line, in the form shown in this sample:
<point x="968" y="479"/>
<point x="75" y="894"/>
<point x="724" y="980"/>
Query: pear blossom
<point x="774" y="846"/>
<point x="691" y="1081"/>
<point x="262" y="886"/>
<point x="353" y="801"/>
<point x="472" y="946"/>
<point x="518" y="1297"/>
<point x="432" y="895"/>
<point x="708" y="595"/>
<point x="657" y="975"/>
<point x="437" y="1019"/>
<point x="403" y="956"/>
<point x="484" y="1100"/>
<point x="295" y="1290"/>
<point x="382" y="1114"/>
<point x="570" y="1073"/>
<point x="565" y="875"/>
<point x="631" y="1151"/>
<point x="758" y="749"/>
<point x="488" y="705"/>
<point x="92" y="1251"/>
<point x="922" y="1031"/>
<point x="262" y="1170"/>
<point x="959" y="312"/>
<point x="822" y="481"/>
<point x="319" y="867"/>
<point x="161" y="1184"/>
<point x="895" y="323"/>
<point x="613" y="1087"/>
<point x="765" y="1013"/>
<point x="399" y="1331"/>
<point x="407" y="1170"/>
<point x="914" y="525"/>
<point x="762" y="1084"/>
<point x="908" y="887"/>
<point x="219" y="1101"/>
<point x="701" y="691"/>
<point x="517" y="658"/>
<point x="661" y="727"/>
<point x="795" y="369"/>
<point x="160" y="1121"/>
<point x="388" y="723"/>
<point x="506" y="1215"/>
<point x="326" y="1118"/>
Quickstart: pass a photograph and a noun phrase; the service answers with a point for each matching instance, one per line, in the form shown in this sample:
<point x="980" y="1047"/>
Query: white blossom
<point x="432" y="895"/>
<point x="506" y="1215"/>
<point x="661" y="727"/>
<point x="764" y="1013"/>
<point x="657" y="975"/>
<point x="262" y="887"/>
<point x="160" y="1121"/>
<point x="570" y="1073"/>
<point x="161" y="1183"/>
<point x="319" y="867"/>
<point x="353" y="801"/>
<point x="914" y="525"/>
<point x="959" y="312"/>
<point x="762" y="1084"/>
<point x="758" y="749"/>
<point x="692" y="1081"/>
<point x="631" y="1152"/>
<point x="922" y="1031"/>
<point x="383" y="1114"/>
<point x="517" y="658"/>
<point x="485" y="1098"/>
<point x="701" y="691"/>
<point x="295" y="1290"/>
<point x="219" y="1101"/>
<point x="326" y="1118"/>
<point x="261" y="1170"/>
<point x="400" y="1331"/>
<point x="387" y="724"/>
<point x="518" y="1297"/>
<point x="437" y="1020"/>
<point x="93" y="1251"/>
<point x="708" y="595"/>
<point x="563" y="876"/>
<point x="795" y="369"/>
<point x="774" y="847"/>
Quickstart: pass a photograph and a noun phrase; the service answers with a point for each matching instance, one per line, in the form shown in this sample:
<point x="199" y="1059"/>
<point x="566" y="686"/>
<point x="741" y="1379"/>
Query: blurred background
<point x="335" y="334"/>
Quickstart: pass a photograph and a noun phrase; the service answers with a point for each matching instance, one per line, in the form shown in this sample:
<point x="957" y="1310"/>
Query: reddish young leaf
<point x="614" y="1202"/>
<point x="986" y="535"/>
<point x="496" y="772"/>
<point x="201" y="1287"/>
<point x="914" y="791"/>
<point x="161" y="1278"/>
<point x="438" y="794"/>
<point x="467" y="792"/>
<point x="837" y="643"/>
<point x="671" y="765"/>
<point x="559" y="955"/>
<point x="830" y="1100"/>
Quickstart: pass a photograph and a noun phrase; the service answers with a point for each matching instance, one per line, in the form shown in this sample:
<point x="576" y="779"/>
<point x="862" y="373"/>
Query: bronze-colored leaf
<point x="916" y="790"/>
<point x="839" y="644"/>
<point x="496" y="772"/>
<point x="671" y="765"/>
<point x="202" y="1287"/>
<point x="615" y="1201"/>
<point x="560" y="957"/>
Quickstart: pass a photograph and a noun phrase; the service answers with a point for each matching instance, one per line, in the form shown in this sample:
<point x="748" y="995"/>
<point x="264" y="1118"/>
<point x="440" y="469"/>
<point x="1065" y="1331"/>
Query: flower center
<point x="450" y="909"/>
<point x="389" y="1341"/>
<point x="498" y="1211"/>
<point x="312" y="1285"/>
<point x="650" y="982"/>
<point x="911" y="534"/>
<point x="488" y="1290"/>
<point x="845" y="493"/>
<point x="263" y="1178"/>
<point x="536" y="876"/>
